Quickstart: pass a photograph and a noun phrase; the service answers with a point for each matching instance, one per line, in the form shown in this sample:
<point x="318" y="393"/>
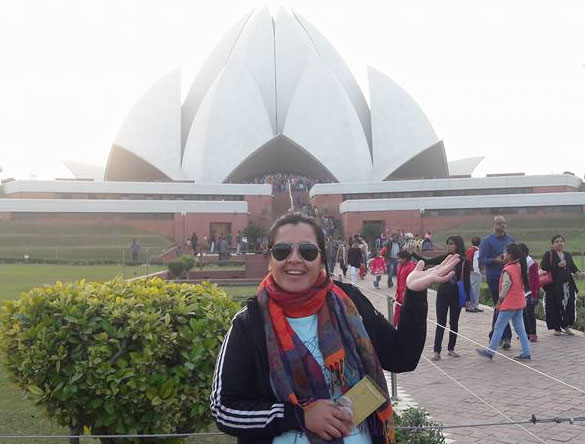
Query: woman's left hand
<point x="420" y="279"/>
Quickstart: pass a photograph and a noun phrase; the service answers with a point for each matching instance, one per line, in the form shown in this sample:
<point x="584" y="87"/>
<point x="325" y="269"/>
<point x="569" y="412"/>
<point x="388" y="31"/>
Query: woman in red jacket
<point x="405" y="267"/>
<point x="511" y="302"/>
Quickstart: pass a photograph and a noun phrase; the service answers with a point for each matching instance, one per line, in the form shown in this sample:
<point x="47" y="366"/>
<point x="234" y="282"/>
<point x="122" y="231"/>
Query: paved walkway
<point x="507" y="386"/>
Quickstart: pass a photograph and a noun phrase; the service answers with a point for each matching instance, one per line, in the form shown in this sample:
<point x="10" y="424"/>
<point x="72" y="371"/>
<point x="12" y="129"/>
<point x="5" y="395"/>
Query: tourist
<point x="427" y="243"/>
<point x="561" y="294"/>
<point x="531" y="294"/>
<point x="491" y="257"/>
<point x="331" y="247"/>
<point x="304" y="340"/>
<point x="239" y="248"/>
<point x="355" y="261"/>
<point x="135" y="249"/>
<point x="392" y="248"/>
<point x="222" y="248"/>
<point x="341" y="257"/>
<point x="365" y="253"/>
<point x="405" y="267"/>
<point x="212" y="242"/>
<point x="194" y="243"/>
<point x="511" y="302"/>
<point x="409" y="244"/>
<point x="377" y="268"/>
<point x="448" y="296"/>
<point x="475" y="277"/>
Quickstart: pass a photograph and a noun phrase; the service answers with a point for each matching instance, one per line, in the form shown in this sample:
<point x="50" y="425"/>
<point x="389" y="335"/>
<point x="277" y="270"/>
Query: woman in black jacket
<point x="304" y="340"/>
<point x="561" y="294"/>
<point x="355" y="259"/>
<point x="448" y="296"/>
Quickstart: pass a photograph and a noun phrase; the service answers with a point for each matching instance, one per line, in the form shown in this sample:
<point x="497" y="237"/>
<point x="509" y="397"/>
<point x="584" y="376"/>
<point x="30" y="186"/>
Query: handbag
<point x="545" y="277"/>
<point x="461" y="288"/>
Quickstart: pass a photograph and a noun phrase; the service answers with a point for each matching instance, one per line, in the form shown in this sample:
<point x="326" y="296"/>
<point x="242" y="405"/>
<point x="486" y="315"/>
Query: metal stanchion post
<point x="393" y="383"/>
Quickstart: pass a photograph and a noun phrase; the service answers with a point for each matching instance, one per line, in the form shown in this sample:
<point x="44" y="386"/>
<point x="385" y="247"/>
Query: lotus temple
<point x="275" y="101"/>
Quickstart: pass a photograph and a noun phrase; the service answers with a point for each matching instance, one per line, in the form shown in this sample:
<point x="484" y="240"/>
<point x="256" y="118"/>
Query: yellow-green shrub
<point x="118" y="357"/>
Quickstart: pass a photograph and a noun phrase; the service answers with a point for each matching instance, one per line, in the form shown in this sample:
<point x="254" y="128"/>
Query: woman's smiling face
<point x="295" y="274"/>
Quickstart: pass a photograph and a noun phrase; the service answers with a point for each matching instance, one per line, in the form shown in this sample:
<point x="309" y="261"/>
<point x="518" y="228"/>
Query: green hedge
<point x="119" y="357"/>
<point x="418" y="417"/>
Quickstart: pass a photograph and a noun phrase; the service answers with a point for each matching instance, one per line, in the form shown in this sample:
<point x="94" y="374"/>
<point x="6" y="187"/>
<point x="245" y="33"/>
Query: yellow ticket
<point x="365" y="398"/>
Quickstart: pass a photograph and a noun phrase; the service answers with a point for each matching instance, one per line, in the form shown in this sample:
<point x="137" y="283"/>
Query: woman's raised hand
<point x="420" y="279"/>
<point x="327" y="420"/>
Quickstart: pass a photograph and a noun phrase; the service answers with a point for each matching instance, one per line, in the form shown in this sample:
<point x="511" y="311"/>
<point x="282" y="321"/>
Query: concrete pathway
<point x="507" y="386"/>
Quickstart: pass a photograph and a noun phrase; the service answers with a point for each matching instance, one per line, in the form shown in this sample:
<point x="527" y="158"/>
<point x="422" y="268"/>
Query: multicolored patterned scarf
<point x="295" y="375"/>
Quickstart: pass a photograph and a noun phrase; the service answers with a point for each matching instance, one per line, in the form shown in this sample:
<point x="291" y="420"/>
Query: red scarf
<point x="299" y="305"/>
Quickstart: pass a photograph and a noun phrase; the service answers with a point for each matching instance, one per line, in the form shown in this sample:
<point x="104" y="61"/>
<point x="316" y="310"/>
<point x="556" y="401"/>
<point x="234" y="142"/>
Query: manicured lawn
<point x="534" y="232"/>
<point x="75" y="241"/>
<point x="16" y="278"/>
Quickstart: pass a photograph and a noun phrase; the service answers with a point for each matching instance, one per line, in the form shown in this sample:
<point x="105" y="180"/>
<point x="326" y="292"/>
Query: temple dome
<point x="274" y="95"/>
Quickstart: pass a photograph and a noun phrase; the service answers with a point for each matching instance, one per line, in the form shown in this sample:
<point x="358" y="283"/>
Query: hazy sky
<point x="500" y="79"/>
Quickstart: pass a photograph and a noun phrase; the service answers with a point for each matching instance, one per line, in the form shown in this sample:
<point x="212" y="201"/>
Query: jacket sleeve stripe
<point x="232" y="417"/>
<point x="244" y="426"/>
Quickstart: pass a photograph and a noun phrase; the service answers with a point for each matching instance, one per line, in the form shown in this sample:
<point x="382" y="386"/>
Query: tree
<point x="254" y="232"/>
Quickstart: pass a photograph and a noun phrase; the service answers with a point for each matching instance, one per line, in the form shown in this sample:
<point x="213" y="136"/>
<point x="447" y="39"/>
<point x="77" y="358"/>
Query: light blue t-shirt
<point x="306" y="330"/>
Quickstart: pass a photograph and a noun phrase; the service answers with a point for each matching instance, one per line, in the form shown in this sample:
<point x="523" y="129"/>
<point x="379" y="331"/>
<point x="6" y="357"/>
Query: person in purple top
<point x="491" y="257"/>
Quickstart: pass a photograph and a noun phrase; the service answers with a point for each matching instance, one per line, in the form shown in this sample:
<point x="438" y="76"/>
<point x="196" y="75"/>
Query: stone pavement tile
<point x="504" y="384"/>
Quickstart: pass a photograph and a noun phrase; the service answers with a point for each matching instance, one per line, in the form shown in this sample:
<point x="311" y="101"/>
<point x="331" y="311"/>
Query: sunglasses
<point x="306" y="250"/>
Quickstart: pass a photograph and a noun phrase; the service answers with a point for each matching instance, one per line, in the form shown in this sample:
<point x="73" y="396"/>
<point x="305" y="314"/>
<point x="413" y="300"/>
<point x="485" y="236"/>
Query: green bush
<point x="417" y="417"/>
<point x="176" y="267"/>
<point x="118" y="357"/>
<point x="188" y="262"/>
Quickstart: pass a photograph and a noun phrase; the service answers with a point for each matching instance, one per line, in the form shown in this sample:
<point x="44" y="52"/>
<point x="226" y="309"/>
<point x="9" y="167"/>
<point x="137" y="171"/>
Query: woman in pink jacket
<point x="511" y="303"/>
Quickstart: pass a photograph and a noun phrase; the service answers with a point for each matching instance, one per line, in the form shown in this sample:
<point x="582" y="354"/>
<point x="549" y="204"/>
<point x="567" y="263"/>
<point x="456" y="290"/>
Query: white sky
<point x="501" y="79"/>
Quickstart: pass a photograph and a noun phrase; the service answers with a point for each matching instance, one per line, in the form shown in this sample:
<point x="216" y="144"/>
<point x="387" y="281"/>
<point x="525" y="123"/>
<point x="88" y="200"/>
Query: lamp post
<point x="393" y="383"/>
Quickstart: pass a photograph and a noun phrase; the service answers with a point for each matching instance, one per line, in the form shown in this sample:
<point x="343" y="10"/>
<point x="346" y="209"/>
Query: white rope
<point x="480" y="398"/>
<point x="485" y="347"/>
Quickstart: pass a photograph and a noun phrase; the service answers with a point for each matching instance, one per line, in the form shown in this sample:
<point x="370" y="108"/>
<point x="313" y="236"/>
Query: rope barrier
<point x="533" y="420"/>
<point x="475" y="395"/>
<point x="366" y="290"/>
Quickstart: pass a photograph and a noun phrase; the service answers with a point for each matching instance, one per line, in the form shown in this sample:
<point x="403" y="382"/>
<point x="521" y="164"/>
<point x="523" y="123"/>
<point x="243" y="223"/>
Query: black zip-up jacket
<point x="242" y="401"/>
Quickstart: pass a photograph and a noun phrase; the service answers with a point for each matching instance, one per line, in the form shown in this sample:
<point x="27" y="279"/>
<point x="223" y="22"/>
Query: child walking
<point x="377" y="268"/>
<point x="511" y="302"/>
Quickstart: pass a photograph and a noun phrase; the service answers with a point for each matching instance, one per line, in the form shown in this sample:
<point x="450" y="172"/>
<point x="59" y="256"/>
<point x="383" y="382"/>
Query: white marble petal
<point x="322" y="120"/>
<point x="152" y="129"/>
<point x="207" y="74"/>
<point x="82" y="170"/>
<point x="400" y="129"/>
<point x="255" y="49"/>
<point x="232" y="122"/>
<point x="464" y="167"/>
<point x="294" y="50"/>
<point x="344" y="75"/>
